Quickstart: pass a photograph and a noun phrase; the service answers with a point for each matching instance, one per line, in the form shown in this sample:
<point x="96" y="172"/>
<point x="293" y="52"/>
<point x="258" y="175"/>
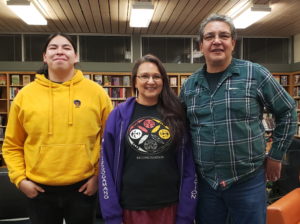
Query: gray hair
<point x="220" y="18"/>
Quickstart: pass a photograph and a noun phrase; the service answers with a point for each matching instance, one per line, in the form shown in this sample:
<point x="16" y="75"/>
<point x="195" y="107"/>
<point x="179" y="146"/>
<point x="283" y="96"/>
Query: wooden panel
<point x="209" y="8"/>
<point x="166" y="16"/>
<point x="104" y="9"/>
<point x="193" y="14"/>
<point x="95" y="8"/>
<point x="181" y="11"/>
<point x="159" y="9"/>
<point x="183" y="16"/>
<point x="221" y="8"/>
<point x="114" y="16"/>
<point x="80" y="18"/>
<point x="4" y="26"/>
<point x="10" y="19"/>
<point x="261" y="1"/>
<point x="56" y="7"/>
<point x="70" y="15"/>
<point x="84" y="7"/>
<point x="288" y="15"/>
<point x="171" y="17"/>
<point x="123" y="15"/>
<point x="51" y="15"/>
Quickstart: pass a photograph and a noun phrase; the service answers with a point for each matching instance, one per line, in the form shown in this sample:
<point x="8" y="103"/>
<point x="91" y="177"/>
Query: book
<point x="297" y="79"/>
<point x="15" y="80"/>
<point x="107" y="80"/>
<point x="115" y="81"/>
<point x="126" y="80"/>
<point x="98" y="79"/>
<point x="173" y="81"/>
<point x="284" y="80"/>
<point x="183" y="78"/>
<point x="13" y="92"/>
<point x="2" y="79"/>
<point x="1" y="133"/>
<point x="2" y="120"/>
<point x="87" y="76"/>
<point x="26" y="79"/>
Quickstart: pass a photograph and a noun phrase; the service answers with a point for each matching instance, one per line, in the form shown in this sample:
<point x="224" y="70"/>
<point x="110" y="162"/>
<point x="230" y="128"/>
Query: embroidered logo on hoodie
<point x="77" y="103"/>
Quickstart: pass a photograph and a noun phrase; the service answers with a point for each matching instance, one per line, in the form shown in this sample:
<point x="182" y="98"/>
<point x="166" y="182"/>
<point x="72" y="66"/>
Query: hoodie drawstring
<point x="50" y="112"/>
<point x="71" y="107"/>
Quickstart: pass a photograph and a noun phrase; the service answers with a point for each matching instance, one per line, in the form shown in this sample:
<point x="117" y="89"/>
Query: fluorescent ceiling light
<point x="250" y="15"/>
<point x="27" y="12"/>
<point x="141" y="14"/>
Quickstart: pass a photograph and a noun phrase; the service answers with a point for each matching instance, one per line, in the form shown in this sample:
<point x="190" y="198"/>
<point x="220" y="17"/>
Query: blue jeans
<point x="244" y="203"/>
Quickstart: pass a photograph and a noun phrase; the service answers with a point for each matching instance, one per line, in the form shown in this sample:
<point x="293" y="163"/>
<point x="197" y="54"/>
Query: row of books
<point x="3" y="119"/>
<point x="13" y="92"/>
<point x="116" y="80"/>
<point x="282" y="79"/>
<point x="3" y="92"/>
<point x="296" y="91"/>
<point x="117" y="92"/>
<point x="297" y="104"/>
<point x="3" y="79"/>
<point x="2" y="132"/>
<point x="173" y="80"/>
<point x="297" y="80"/>
<point x="110" y="80"/>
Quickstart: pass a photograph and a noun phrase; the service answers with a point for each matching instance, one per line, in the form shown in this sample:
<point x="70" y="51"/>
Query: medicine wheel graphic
<point x="149" y="136"/>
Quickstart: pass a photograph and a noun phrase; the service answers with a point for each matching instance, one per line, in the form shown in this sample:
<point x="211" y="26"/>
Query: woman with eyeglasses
<point x="147" y="173"/>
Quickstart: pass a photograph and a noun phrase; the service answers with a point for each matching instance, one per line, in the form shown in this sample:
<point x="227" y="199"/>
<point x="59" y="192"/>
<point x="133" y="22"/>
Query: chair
<point x="13" y="203"/>
<point x="286" y="210"/>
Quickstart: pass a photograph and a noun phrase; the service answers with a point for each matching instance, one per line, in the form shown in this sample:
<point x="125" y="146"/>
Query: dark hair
<point x="220" y="18"/>
<point x="169" y="105"/>
<point x="44" y="68"/>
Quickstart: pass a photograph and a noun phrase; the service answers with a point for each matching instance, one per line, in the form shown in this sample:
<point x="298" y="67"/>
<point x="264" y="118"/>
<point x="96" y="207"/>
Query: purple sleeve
<point x="108" y="195"/>
<point x="186" y="209"/>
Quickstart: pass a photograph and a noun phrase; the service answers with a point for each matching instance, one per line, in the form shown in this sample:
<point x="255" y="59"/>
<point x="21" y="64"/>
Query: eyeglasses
<point x="212" y="36"/>
<point x="146" y="77"/>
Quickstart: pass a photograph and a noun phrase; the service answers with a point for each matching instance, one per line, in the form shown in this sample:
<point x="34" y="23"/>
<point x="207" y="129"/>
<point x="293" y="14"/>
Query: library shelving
<point x="119" y="87"/>
<point x="295" y="92"/>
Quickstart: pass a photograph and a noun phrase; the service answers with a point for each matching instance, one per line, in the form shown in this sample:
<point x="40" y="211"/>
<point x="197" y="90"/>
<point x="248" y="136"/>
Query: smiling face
<point x="60" y="55"/>
<point x="148" y="90"/>
<point x="217" y="46"/>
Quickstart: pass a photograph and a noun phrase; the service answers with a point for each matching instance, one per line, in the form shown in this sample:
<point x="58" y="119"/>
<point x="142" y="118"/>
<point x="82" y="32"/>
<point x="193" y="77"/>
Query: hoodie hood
<point x="126" y="108"/>
<point x="42" y="80"/>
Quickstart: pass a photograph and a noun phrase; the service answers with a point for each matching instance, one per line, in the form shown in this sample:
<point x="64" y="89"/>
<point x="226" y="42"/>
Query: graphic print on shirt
<point x="149" y="136"/>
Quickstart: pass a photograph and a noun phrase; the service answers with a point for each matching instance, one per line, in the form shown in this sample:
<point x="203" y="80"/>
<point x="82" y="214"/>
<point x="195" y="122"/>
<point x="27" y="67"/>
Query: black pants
<point x="62" y="202"/>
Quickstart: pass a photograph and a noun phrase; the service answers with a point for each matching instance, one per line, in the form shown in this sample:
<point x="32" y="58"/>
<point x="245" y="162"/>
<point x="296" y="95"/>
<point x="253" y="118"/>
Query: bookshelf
<point x="10" y="84"/>
<point x="116" y="84"/>
<point x="295" y="92"/>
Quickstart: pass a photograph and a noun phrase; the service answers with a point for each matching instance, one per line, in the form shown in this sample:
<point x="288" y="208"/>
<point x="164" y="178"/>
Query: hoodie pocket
<point x="57" y="161"/>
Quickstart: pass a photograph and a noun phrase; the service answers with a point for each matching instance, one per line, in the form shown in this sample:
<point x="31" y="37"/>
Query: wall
<point x="297" y="48"/>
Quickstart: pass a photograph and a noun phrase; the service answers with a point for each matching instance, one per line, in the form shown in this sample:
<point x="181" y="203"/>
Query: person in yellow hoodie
<point x="53" y="137"/>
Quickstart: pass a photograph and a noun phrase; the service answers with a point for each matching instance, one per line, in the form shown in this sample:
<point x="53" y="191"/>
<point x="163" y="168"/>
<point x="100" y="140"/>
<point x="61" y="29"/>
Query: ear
<point x="233" y="44"/>
<point x="200" y="47"/>
<point x="44" y="58"/>
<point x="76" y="59"/>
<point x="135" y="85"/>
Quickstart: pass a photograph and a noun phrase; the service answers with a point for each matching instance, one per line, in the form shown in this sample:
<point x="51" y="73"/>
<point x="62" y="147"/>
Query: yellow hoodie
<point x="54" y="131"/>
